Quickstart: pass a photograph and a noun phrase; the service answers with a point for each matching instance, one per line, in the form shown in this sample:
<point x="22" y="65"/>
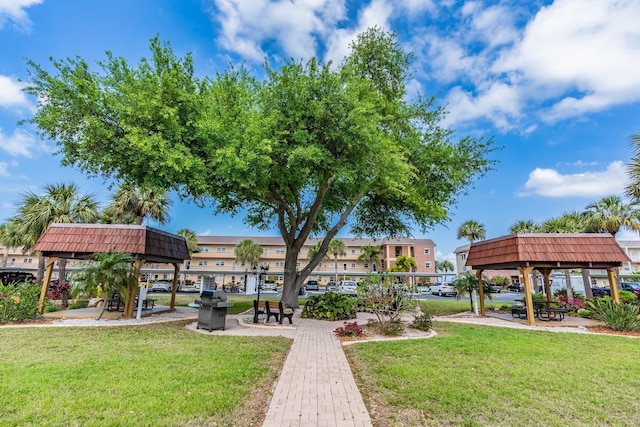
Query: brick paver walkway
<point x="316" y="386"/>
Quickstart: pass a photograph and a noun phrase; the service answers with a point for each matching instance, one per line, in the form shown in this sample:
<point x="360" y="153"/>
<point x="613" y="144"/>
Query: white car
<point x="162" y="286"/>
<point x="348" y="287"/>
<point x="443" y="289"/>
<point x="269" y="286"/>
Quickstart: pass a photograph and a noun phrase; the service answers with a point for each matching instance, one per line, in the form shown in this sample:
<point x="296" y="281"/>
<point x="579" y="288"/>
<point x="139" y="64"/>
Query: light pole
<point x="261" y="274"/>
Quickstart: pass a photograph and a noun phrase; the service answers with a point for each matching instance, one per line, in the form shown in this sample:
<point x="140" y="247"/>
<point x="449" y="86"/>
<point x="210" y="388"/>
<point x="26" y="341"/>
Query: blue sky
<point x="555" y="83"/>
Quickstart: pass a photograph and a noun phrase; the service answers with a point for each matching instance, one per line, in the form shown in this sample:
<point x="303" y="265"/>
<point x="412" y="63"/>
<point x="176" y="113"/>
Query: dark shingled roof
<point x="80" y="241"/>
<point x="593" y="250"/>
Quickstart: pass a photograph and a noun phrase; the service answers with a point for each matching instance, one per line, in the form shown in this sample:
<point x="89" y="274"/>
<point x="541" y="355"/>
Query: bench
<point x="115" y="303"/>
<point x="283" y="311"/>
<point x="146" y="302"/>
<point x="552" y="313"/>
<point x="519" y="311"/>
<point x="262" y="307"/>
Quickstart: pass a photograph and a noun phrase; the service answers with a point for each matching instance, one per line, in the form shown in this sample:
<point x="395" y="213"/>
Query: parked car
<point x="312" y="285"/>
<point x="496" y="289"/>
<point x="348" y="287"/>
<point x="443" y="289"/>
<point x="162" y="286"/>
<point x="191" y="287"/>
<point x="269" y="286"/>
<point x="515" y="287"/>
<point x="632" y="287"/>
<point x="332" y="286"/>
<point x="600" y="292"/>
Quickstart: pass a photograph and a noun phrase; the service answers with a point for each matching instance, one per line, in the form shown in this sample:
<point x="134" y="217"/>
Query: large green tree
<point x="304" y="150"/>
<point x="524" y="226"/>
<point x="610" y="214"/>
<point x="59" y="203"/>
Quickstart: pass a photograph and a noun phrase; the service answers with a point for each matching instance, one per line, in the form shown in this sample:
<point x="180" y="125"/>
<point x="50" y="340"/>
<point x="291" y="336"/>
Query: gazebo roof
<point x="80" y="241"/>
<point x="588" y="250"/>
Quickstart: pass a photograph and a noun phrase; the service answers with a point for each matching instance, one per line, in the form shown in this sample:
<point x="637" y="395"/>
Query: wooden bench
<point x="262" y="307"/>
<point x="283" y="311"/>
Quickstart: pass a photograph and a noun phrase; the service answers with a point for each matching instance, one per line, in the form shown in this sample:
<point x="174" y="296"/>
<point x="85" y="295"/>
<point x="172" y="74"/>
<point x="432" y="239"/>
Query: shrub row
<point x="19" y="303"/>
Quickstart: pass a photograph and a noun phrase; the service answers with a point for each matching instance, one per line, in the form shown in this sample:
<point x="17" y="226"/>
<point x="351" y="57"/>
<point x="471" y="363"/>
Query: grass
<point x="480" y="376"/>
<point x="160" y="375"/>
<point x="444" y="307"/>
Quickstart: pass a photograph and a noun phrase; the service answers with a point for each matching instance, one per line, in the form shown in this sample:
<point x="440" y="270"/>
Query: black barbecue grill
<point x="213" y="310"/>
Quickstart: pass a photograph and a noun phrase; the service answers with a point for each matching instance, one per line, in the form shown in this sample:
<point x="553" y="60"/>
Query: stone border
<point x="429" y="334"/>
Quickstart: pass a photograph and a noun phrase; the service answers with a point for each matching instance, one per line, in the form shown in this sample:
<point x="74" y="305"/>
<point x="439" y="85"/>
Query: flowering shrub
<point x="19" y="302"/>
<point x="575" y="305"/>
<point x="348" y="330"/>
<point x="55" y="292"/>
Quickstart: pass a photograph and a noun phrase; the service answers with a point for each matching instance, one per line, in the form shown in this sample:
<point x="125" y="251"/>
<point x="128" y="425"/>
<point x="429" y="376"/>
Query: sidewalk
<point x="316" y="386"/>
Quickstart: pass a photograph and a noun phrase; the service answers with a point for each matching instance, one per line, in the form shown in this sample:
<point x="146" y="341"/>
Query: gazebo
<point x="546" y="252"/>
<point x="80" y="241"/>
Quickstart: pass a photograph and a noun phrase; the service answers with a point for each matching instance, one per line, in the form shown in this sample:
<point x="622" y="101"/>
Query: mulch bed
<point x="605" y="330"/>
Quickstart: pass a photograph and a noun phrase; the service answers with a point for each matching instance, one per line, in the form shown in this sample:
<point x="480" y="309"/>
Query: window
<point x="28" y="260"/>
<point x="204" y="249"/>
<point x="366" y="265"/>
<point x="353" y="265"/>
<point x="353" y="251"/>
<point x="463" y="256"/>
<point x="344" y="267"/>
<point x="398" y="250"/>
<point x="427" y="265"/>
<point x="13" y="261"/>
<point x="201" y="263"/>
<point x="298" y="264"/>
<point x="221" y="249"/>
<point x="427" y="251"/>
<point x="279" y="250"/>
<point x="279" y="263"/>
<point x="332" y="264"/>
<point x="219" y="263"/>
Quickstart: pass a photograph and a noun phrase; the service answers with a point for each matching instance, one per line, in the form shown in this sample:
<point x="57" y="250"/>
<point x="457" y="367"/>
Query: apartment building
<point x="216" y="258"/>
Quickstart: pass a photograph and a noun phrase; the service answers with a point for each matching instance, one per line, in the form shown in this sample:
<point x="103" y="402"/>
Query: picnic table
<point x="543" y="309"/>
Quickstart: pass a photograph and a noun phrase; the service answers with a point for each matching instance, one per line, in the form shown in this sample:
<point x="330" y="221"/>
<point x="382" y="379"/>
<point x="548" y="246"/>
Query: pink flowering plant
<point x="350" y="329"/>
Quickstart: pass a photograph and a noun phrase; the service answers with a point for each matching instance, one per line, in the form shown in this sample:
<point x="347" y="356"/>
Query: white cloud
<point x="4" y="169"/>
<point x="11" y="94"/>
<point x="247" y="25"/>
<point x="451" y="257"/>
<point x="627" y="235"/>
<point x="13" y="10"/>
<point x="21" y="143"/>
<point x="551" y="183"/>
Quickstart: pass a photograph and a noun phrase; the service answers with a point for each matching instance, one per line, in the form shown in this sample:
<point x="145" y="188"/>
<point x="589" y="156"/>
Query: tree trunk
<point x="586" y="279"/>
<point x="5" y="257"/>
<point x="104" y="305"/>
<point x="62" y="278"/>
<point x="41" y="265"/>
<point x="293" y="280"/>
<point x="567" y="275"/>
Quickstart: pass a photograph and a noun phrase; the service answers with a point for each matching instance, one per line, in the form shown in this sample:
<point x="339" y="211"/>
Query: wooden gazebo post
<point x="526" y="272"/>
<point x="45" y="282"/>
<point x="480" y="290"/>
<point x="613" y="284"/>
<point x="174" y="288"/>
<point x="547" y="286"/>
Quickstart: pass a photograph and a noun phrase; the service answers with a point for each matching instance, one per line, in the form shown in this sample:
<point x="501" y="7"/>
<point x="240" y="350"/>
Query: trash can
<point x="213" y="310"/>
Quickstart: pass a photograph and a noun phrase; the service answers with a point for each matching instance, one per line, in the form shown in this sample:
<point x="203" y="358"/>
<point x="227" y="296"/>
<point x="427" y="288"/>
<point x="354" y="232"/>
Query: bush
<point x="330" y="306"/>
<point x="81" y="303"/>
<point x="627" y="297"/>
<point x="51" y="308"/>
<point x="348" y="330"/>
<point x="392" y="328"/>
<point x="583" y="312"/>
<point x="619" y="317"/>
<point x="422" y="322"/>
<point x="19" y="303"/>
<point x="577" y="303"/>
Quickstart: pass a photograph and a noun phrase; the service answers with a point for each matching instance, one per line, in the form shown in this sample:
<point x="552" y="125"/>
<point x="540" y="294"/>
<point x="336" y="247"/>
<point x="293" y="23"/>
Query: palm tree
<point x="109" y="272"/>
<point x="337" y="248"/>
<point x="131" y="205"/>
<point x="524" y="226"/>
<point x="404" y="263"/>
<point x="444" y="267"/>
<point x="60" y="203"/>
<point x="472" y="230"/>
<point x="370" y="254"/>
<point x="192" y="243"/>
<point x="610" y="214"/>
<point x="633" y="169"/>
<point x="248" y="252"/>
<point x="467" y="283"/>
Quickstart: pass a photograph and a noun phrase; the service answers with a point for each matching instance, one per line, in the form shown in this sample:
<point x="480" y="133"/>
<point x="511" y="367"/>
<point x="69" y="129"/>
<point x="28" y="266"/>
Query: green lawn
<point x="483" y="376"/>
<point x="154" y="375"/>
